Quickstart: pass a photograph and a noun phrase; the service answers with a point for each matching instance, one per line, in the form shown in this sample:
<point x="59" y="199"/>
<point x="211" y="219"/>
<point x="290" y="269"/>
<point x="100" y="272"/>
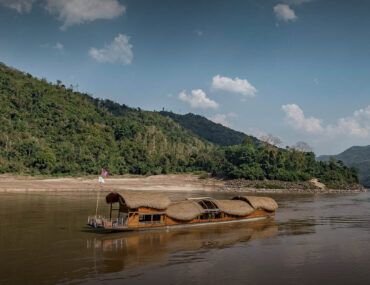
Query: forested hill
<point x="357" y="156"/>
<point x="50" y="129"/>
<point x="206" y="129"/>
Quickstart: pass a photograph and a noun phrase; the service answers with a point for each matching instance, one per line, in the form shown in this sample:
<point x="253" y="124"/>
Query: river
<point x="313" y="239"/>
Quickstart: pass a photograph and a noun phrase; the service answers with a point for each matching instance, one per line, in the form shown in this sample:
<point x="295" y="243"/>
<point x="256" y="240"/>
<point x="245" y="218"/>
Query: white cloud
<point x="73" y="12"/>
<point x="221" y="119"/>
<point x="198" y="99"/>
<point x="357" y="125"/>
<point x="21" y="6"/>
<point x="284" y="13"/>
<point x="59" y="46"/>
<point x="295" y="118"/>
<point x="120" y="50"/>
<point x="232" y="115"/>
<point x="236" y="85"/>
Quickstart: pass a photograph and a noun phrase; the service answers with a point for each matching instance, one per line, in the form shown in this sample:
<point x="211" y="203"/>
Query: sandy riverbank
<point x="173" y="182"/>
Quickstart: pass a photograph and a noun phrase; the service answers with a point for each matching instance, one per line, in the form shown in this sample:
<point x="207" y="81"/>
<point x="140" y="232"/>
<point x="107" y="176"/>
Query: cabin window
<point x="207" y="204"/>
<point x="156" y="219"/>
<point x="145" y="219"/>
<point x="214" y="215"/>
<point x="150" y="219"/>
<point x="211" y="216"/>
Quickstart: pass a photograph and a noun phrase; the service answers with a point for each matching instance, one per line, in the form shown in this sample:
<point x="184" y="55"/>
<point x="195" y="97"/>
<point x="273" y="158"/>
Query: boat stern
<point x="101" y="222"/>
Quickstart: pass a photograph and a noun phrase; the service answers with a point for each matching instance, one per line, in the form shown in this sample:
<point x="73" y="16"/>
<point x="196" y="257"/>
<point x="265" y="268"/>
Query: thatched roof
<point x="234" y="207"/>
<point x="135" y="199"/>
<point x="184" y="211"/>
<point x="263" y="203"/>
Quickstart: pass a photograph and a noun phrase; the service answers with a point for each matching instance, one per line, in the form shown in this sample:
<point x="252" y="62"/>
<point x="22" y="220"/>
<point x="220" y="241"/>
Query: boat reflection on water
<point x="121" y="251"/>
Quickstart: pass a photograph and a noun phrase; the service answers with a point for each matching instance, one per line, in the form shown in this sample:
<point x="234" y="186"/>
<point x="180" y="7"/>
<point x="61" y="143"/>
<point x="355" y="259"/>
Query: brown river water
<point x="313" y="239"/>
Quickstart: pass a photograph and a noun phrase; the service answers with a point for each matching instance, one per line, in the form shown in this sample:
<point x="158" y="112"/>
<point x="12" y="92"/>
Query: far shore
<point x="170" y="182"/>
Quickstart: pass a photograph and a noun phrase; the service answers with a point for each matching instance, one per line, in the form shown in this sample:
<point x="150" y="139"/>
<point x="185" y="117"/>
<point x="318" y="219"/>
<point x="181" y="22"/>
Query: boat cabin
<point x="147" y="210"/>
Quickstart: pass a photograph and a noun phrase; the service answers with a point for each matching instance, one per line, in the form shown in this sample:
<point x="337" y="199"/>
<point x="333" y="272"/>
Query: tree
<point x="271" y="140"/>
<point x="302" y="147"/>
<point x="248" y="141"/>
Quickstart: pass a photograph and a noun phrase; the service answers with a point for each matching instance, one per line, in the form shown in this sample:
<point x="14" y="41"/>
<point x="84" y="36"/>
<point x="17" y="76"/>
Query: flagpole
<point x="97" y="204"/>
<point x="101" y="181"/>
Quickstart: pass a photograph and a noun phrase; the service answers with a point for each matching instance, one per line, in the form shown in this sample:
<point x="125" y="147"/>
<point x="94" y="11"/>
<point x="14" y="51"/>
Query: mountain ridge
<point x="209" y="130"/>
<point x="356" y="156"/>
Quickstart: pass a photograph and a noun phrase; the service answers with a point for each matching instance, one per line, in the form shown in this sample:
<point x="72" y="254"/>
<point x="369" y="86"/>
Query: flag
<point x="105" y="173"/>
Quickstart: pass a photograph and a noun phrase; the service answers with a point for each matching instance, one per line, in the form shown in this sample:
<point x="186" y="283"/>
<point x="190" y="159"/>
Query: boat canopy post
<point x="110" y="213"/>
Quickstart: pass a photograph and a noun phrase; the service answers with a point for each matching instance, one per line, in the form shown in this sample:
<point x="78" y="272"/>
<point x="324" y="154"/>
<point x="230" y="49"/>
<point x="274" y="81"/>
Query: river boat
<point x="139" y="211"/>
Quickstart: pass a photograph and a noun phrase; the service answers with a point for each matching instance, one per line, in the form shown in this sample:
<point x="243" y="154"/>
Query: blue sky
<point x="296" y="69"/>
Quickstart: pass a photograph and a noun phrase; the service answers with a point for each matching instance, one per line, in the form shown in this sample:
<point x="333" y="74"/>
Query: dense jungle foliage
<point x="206" y="129"/>
<point x="268" y="162"/>
<point x="49" y="129"/>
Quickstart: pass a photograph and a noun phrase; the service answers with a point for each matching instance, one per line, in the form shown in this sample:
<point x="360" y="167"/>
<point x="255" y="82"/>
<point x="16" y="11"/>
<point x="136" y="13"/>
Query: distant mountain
<point x="208" y="130"/>
<point x="357" y="156"/>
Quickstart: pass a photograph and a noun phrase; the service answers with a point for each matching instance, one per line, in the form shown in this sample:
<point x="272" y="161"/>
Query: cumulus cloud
<point x="295" y="118"/>
<point x="357" y="125"/>
<point x="221" y="119"/>
<point x="236" y="85"/>
<point x="284" y="13"/>
<point x="21" y="6"/>
<point x="73" y="12"/>
<point x="120" y="50"/>
<point x="198" y="99"/>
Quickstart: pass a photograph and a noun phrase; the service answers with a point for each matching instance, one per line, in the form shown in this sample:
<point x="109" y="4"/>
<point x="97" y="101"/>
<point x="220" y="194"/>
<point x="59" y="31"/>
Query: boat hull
<point x="170" y="223"/>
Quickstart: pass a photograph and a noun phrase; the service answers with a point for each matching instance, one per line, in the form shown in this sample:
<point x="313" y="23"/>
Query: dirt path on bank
<point x="173" y="182"/>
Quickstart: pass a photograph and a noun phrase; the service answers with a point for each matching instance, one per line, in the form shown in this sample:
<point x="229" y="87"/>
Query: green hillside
<point x="49" y="129"/>
<point x="357" y="156"/>
<point x="208" y="130"/>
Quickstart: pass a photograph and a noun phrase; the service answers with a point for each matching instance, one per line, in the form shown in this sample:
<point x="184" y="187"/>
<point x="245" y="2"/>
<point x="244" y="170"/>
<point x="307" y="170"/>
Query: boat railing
<point x="103" y="222"/>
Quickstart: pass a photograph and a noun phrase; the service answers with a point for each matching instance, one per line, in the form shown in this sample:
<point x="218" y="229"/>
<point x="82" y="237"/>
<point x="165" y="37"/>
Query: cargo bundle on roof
<point x="138" y="210"/>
